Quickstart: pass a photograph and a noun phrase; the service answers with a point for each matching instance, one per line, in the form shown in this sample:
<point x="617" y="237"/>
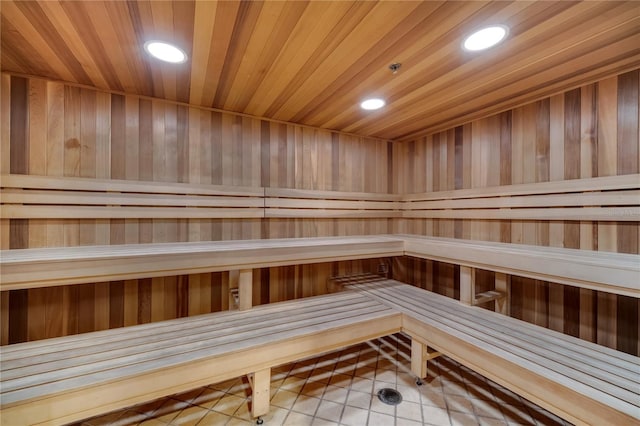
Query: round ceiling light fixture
<point x="485" y="38"/>
<point x="165" y="52"/>
<point x="372" y="104"/>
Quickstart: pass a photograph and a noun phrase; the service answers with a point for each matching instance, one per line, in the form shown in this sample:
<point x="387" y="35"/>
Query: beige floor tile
<point x="335" y="394"/>
<point x="189" y="395"/>
<point x="462" y="419"/>
<point x="329" y="410"/>
<point x="365" y="372"/>
<point x="386" y="376"/>
<point x="321" y="375"/>
<point x="148" y="408"/>
<point x="313" y="389"/>
<point x="298" y="419"/>
<point x="359" y="399"/>
<point x="293" y="383"/>
<point x="487" y="409"/>
<point x="306" y="405"/>
<point x="208" y="398"/>
<point x="406" y="422"/>
<point x="190" y="416"/>
<point x="234" y="421"/>
<point x="229" y="404"/>
<point x="379" y="419"/>
<point x="431" y="397"/>
<point x="224" y="386"/>
<point x="169" y="410"/>
<point x="516" y="414"/>
<point x="409" y="410"/>
<point x="380" y="407"/>
<point x="353" y="416"/>
<point x="241" y="388"/>
<point x="275" y="416"/>
<point x="362" y="385"/>
<point x="409" y="393"/>
<point x="459" y="403"/>
<point x="284" y="398"/>
<point x="341" y="380"/>
<point x="322" y="422"/>
<point x="153" y="422"/>
<point x="435" y="415"/>
<point x="486" y="421"/>
<point x="244" y="411"/>
<point x="214" y="419"/>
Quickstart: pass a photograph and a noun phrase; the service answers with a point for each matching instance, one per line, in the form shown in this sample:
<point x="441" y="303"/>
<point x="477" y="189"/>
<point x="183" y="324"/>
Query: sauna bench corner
<point x="617" y="273"/>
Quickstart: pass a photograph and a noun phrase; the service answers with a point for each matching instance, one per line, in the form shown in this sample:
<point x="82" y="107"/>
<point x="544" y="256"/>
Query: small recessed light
<point x="165" y="52"/>
<point x="485" y="38"/>
<point x="373" y="103"/>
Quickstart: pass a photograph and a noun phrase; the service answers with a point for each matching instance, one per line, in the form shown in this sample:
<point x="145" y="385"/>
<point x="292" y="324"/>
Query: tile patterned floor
<point x="340" y="389"/>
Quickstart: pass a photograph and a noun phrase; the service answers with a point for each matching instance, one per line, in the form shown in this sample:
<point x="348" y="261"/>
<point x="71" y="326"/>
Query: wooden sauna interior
<point x="269" y="99"/>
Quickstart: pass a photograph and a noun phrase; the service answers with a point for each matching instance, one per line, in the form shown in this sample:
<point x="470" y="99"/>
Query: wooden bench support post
<point x="467" y="285"/>
<point x="502" y="284"/>
<point x="420" y="354"/>
<point x="260" y="395"/>
<point x="245" y="288"/>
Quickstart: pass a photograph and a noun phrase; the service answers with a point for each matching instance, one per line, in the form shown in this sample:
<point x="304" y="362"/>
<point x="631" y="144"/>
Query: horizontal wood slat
<point x="611" y="198"/>
<point x="39" y="197"/>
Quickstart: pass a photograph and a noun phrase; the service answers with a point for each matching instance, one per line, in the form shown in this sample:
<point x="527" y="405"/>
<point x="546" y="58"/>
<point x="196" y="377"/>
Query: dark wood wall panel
<point x="587" y="132"/>
<point x="41" y="313"/>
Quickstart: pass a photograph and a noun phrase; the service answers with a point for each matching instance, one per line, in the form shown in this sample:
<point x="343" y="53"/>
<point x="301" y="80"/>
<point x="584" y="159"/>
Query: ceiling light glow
<point x="373" y="103"/>
<point x="165" y="52"/>
<point x="485" y="38"/>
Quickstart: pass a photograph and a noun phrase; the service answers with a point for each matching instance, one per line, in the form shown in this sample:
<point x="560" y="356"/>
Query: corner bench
<point x="65" y="379"/>
<point x="579" y="381"/>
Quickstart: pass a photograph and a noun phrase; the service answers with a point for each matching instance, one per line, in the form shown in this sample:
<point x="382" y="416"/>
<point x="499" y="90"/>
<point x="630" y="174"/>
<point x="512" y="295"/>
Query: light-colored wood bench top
<point x="580" y="381"/>
<point x="617" y="273"/>
<point x="70" y="378"/>
<point x="30" y="268"/>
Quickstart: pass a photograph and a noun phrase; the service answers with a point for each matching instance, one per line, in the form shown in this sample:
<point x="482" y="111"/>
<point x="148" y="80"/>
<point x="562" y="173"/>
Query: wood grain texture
<point x="587" y="132"/>
<point x="311" y="63"/>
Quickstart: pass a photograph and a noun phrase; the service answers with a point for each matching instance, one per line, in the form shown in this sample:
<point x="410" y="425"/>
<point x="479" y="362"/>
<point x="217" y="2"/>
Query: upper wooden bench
<point x="579" y="381"/>
<point x="61" y="380"/>
<point x="26" y="268"/>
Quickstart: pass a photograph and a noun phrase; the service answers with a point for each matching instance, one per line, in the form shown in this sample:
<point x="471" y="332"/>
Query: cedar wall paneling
<point x="587" y="132"/>
<point x="53" y="129"/>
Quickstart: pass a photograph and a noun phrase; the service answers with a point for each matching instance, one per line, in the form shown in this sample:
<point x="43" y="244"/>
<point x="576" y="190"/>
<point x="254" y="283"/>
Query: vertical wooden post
<point x="418" y="359"/>
<point x="245" y="288"/>
<point x="260" y="396"/>
<point x="420" y="354"/>
<point x="502" y="284"/>
<point x="467" y="285"/>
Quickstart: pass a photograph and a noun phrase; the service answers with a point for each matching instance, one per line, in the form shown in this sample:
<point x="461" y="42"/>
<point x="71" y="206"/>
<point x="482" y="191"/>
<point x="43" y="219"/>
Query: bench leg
<point x="260" y="396"/>
<point x="420" y="354"/>
<point x="502" y="282"/>
<point x="467" y="285"/>
<point x="245" y="289"/>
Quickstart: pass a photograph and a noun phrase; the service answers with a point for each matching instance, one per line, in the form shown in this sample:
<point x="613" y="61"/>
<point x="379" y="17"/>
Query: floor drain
<point x="389" y="396"/>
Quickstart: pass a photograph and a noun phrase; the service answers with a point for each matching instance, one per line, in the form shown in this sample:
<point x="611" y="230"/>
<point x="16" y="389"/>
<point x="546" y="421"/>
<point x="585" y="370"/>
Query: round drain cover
<point x="389" y="396"/>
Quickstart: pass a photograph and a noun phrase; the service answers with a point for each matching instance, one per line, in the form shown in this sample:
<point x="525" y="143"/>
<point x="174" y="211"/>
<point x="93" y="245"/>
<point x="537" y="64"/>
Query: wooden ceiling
<point x="312" y="62"/>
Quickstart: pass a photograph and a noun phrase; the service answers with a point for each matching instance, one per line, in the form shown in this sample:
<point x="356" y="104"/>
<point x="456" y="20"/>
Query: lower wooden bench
<point x="61" y="380"/>
<point x="579" y="381"/>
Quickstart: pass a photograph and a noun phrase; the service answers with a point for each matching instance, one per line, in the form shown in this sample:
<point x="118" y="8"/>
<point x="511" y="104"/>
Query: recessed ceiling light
<point x="373" y="103"/>
<point x="165" y="52"/>
<point x="485" y="38"/>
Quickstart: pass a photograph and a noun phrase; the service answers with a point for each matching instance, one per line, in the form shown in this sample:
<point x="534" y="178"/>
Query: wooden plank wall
<point x="587" y="132"/>
<point x="54" y="129"/>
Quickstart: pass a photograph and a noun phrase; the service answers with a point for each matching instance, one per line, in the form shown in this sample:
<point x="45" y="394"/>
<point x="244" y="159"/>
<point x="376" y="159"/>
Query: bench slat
<point x="416" y="304"/>
<point x="178" y="341"/>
